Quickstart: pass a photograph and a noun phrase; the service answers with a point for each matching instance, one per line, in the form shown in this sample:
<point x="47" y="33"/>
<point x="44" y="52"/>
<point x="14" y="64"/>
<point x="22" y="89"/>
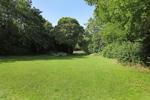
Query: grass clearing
<point x="77" y="77"/>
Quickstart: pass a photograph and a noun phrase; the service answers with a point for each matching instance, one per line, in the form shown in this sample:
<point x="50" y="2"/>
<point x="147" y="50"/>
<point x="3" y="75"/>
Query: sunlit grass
<point x="71" y="78"/>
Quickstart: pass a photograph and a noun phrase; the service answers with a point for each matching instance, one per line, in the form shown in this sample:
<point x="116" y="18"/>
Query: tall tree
<point x="128" y="19"/>
<point x="22" y="28"/>
<point x="67" y="32"/>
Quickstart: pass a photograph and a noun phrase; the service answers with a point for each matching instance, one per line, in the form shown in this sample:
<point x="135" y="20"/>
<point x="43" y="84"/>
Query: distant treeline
<point x="24" y="31"/>
<point x="119" y="29"/>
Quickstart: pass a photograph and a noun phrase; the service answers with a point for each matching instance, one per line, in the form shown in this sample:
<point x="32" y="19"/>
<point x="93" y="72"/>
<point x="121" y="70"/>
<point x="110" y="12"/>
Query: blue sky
<point x="53" y="10"/>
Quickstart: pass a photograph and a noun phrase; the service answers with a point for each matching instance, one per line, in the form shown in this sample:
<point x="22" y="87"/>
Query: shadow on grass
<point x="9" y="59"/>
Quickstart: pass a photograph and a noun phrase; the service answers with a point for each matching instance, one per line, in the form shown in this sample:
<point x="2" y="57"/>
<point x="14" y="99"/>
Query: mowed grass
<point x="71" y="78"/>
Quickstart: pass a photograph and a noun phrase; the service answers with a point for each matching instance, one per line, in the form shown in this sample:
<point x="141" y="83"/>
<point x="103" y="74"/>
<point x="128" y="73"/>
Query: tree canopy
<point x="124" y="24"/>
<point x="23" y="30"/>
<point x="124" y="21"/>
<point x="68" y="32"/>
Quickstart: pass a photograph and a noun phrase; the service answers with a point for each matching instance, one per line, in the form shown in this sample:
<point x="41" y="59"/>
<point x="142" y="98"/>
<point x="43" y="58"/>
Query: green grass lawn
<point x="71" y="78"/>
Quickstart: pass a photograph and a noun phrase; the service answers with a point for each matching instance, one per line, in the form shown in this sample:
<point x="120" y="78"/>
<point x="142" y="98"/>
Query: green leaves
<point x="113" y="32"/>
<point x="124" y="20"/>
<point x="23" y="29"/>
<point x="68" y="32"/>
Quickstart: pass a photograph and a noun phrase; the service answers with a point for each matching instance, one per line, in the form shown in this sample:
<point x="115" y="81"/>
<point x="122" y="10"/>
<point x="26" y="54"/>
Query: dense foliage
<point x="68" y="32"/>
<point x="92" y="41"/>
<point x="124" y="21"/>
<point x="24" y="31"/>
<point x="22" y="28"/>
<point x="124" y="52"/>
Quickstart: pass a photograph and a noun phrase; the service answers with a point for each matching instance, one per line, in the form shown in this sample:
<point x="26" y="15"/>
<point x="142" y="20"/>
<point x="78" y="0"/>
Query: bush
<point x="96" y="44"/>
<point x="84" y="43"/>
<point x="124" y="52"/>
<point x="92" y="43"/>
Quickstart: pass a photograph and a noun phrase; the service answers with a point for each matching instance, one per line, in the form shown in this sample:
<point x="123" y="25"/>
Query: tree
<point x="22" y="29"/>
<point x="67" y="34"/>
<point x="12" y="16"/>
<point x="92" y="41"/>
<point x="124" y="20"/>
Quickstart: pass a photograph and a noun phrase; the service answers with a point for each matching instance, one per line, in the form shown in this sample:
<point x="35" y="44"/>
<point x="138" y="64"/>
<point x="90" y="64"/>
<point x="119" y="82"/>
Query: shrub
<point x="96" y="44"/>
<point x="92" y="43"/>
<point x="124" y="52"/>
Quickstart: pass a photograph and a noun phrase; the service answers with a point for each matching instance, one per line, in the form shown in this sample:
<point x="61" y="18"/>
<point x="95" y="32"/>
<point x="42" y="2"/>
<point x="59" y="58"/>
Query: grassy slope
<point x="71" y="78"/>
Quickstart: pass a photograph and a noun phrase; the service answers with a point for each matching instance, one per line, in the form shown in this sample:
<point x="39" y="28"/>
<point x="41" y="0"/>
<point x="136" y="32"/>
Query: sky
<point x="53" y="10"/>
